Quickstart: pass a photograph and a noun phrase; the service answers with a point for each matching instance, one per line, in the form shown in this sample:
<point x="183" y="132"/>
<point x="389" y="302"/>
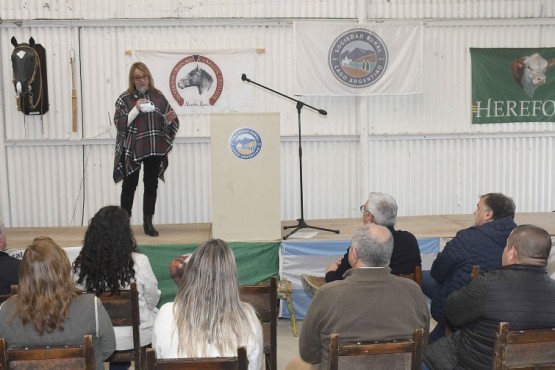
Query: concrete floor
<point x="287" y="344"/>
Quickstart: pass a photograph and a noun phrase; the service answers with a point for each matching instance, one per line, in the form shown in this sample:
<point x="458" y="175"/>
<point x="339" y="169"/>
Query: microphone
<point x="244" y="78"/>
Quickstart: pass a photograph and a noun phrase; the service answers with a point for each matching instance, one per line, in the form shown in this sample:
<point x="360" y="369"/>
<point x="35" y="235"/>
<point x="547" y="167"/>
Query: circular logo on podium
<point x="245" y="143"/>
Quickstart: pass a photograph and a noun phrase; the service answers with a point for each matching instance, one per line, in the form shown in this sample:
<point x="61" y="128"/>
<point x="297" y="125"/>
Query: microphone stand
<point x="301" y="222"/>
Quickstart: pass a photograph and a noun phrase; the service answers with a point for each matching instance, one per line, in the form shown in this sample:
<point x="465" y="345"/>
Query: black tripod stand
<point x="301" y="222"/>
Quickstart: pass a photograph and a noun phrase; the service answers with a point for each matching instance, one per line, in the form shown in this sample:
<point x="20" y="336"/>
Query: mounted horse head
<point x="29" y="77"/>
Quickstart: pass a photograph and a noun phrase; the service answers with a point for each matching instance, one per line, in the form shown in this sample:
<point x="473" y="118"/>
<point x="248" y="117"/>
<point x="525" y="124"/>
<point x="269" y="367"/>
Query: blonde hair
<point x="207" y="309"/>
<point x="143" y="68"/>
<point x="46" y="288"/>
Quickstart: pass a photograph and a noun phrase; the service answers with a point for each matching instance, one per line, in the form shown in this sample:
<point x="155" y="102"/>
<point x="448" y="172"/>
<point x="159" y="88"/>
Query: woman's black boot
<point x="149" y="228"/>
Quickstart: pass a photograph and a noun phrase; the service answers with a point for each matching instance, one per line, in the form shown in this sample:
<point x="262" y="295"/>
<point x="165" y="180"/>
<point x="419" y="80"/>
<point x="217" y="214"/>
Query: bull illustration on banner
<point x="529" y="72"/>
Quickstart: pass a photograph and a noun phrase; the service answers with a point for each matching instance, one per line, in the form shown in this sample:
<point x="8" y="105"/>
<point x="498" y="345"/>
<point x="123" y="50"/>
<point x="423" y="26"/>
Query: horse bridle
<point x="33" y="104"/>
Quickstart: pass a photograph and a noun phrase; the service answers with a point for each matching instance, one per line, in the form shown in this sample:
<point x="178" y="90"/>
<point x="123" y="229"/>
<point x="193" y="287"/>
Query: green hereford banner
<point x="513" y="85"/>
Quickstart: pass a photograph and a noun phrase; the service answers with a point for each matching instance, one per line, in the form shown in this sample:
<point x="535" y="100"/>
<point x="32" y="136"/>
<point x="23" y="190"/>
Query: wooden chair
<point x="215" y="363"/>
<point x="312" y="283"/>
<point x="524" y="349"/>
<point x="285" y="291"/>
<point x="475" y="272"/>
<point x="416" y="275"/>
<point x="449" y="329"/>
<point x="263" y="297"/>
<point x="123" y="309"/>
<point x="4" y="297"/>
<point x="49" y="357"/>
<point x="378" y="355"/>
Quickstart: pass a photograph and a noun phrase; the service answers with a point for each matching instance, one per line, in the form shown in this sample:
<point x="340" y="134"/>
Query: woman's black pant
<point x="151" y="168"/>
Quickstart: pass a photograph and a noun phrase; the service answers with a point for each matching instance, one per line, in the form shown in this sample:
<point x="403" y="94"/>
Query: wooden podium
<point x="246" y="186"/>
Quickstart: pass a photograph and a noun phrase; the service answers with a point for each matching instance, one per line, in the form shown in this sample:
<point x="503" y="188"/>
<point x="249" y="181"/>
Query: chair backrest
<point x="48" y="357"/>
<point x="475" y="272"/>
<point x="263" y="297"/>
<point x="524" y="349"/>
<point x="123" y="309"/>
<point x="13" y="291"/>
<point x="449" y="329"/>
<point x="386" y="355"/>
<point x="312" y="283"/>
<point x="416" y="275"/>
<point x="208" y="363"/>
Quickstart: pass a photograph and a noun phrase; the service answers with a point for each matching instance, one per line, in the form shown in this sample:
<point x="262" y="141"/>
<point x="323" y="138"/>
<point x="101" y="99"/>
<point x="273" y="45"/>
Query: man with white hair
<point x="381" y="209"/>
<point x="9" y="266"/>
<point x="369" y="304"/>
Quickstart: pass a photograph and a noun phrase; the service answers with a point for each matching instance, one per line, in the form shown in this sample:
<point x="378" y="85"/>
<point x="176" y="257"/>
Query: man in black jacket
<point x="520" y="293"/>
<point x="9" y="266"/>
<point x="381" y="209"/>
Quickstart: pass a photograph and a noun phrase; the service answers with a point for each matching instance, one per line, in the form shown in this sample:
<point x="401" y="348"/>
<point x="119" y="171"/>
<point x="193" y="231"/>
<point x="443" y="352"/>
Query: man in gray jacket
<point x="369" y="304"/>
<point x="520" y="293"/>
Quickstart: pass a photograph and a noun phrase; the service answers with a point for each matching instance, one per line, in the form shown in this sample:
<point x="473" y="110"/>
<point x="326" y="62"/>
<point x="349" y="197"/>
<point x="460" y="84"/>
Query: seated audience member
<point x="481" y="244"/>
<point x="108" y="263"/>
<point x="520" y="293"/>
<point x="9" y="266"/>
<point x="381" y="209"/>
<point x="176" y="267"/>
<point x="48" y="309"/>
<point x="369" y="304"/>
<point x="207" y="318"/>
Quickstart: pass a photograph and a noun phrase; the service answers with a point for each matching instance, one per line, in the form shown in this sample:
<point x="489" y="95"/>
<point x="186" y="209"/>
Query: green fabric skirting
<point x="255" y="262"/>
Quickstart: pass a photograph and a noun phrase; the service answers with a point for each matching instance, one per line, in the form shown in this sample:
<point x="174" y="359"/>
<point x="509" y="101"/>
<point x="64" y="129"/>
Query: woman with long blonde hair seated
<point x="207" y="318"/>
<point x="49" y="309"/>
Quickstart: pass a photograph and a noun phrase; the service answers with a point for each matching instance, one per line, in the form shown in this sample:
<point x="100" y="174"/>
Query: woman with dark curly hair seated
<point x="49" y="309"/>
<point x="108" y="262"/>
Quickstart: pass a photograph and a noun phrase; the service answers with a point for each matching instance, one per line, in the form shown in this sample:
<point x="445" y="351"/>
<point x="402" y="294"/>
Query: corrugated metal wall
<point x="422" y="148"/>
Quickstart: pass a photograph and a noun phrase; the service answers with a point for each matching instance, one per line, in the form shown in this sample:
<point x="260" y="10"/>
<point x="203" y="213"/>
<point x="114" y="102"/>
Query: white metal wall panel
<point x="457" y="9"/>
<point x="445" y="105"/>
<point x="330" y="179"/>
<point x="389" y="9"/>
<point x="44" y="184"/>
<point x="447" y="175"/>
<point x="98" y="187"/>
<point x="422" y="148"/>
<point x="104" y="76"/>
<point x="140" y="9"/>
<point x="185" y="196"/>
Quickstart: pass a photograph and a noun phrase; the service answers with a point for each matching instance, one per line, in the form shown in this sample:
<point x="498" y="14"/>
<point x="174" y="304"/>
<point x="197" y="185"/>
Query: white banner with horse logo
<point x="202" y="81"/>
<point x="357" y="58"/>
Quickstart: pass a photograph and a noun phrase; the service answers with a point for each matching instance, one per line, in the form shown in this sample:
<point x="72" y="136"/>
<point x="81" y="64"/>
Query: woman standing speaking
<point x="147" y="126"/>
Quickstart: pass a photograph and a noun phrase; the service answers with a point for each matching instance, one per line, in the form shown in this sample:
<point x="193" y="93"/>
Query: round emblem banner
<point x="358" y="58"/>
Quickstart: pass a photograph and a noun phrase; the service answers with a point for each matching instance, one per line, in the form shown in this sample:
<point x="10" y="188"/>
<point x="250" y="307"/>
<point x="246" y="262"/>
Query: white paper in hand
<point x="147" y="107"/>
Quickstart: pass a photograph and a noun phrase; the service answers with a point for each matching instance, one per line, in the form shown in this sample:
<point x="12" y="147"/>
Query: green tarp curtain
<point x="255" y="262"/>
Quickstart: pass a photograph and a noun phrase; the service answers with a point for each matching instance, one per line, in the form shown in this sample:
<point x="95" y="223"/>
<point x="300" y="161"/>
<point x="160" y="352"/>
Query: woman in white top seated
<point x="207" y="318"/>
<point x="108" y="263"/>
